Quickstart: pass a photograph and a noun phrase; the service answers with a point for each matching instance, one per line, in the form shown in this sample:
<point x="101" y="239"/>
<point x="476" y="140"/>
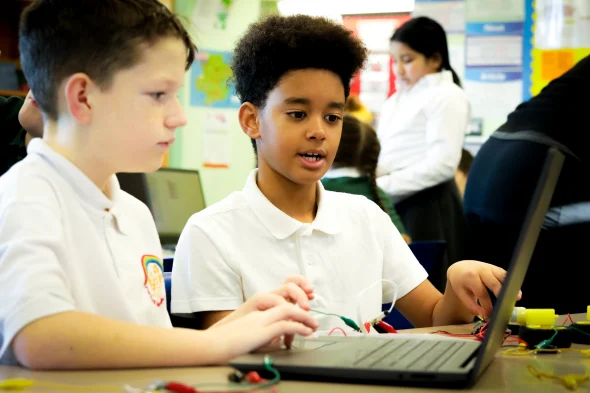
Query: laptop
<point x="424" y="361"/>
<point x="172" y="195"/>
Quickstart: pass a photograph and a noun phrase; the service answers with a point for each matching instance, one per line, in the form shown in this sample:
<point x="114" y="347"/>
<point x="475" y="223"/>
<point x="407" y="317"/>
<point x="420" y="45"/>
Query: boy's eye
<point x="332" y="118"/>
<point x="297" y="115"/>
<point x="157" y="96"/>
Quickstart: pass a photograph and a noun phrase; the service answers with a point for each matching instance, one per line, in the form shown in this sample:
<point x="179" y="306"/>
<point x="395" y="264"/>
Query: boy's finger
<point x="294" y="294"/>
<point x="264" y="301"/>
<point x="302" y="282"/>
<point x="478" y="288"/>
<point x="288" y="328"/>
<point x="498" y="272"/>
<point x="288" y="340"/>
<point x="491" y="281"/>
<point x="288" y="311"/>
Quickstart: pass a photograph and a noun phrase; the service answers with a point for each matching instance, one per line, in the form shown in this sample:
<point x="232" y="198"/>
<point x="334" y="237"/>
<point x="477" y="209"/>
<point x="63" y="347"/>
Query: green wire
<point x="578" y="330"/>
<point x="546" y="343"/>
<point x="247" y="386"/>
<point x="349" y="322"/>
<point x="325" y="313"/>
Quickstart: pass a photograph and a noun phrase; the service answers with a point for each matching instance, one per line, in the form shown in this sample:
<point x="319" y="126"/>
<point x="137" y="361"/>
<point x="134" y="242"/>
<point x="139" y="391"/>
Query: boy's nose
<point x="317" y="130"/>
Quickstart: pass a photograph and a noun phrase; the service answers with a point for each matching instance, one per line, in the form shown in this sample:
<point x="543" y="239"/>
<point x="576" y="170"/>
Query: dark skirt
<point x="436" y="214"/>
<point x="502" y="180"/>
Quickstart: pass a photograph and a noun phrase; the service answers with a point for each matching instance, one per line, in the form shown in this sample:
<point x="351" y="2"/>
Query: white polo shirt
<point x="421" y="131"/>
<point x="244" y="244"/>
<point x="65" y="246"/>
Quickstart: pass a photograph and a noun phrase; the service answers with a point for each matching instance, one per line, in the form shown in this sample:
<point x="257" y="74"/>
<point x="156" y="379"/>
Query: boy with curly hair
<point x="293" y="77"/>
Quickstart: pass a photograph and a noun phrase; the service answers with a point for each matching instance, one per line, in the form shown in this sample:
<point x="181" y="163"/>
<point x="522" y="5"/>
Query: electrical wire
<point x="570" y="381"/>
<point x="568" y="317"/>
<point x="170" y="386"/>
<point x="349" y="322"/>
<point x="245" y="386"/>
<point x="335" y="329"/>
<point x="382" y="314"/>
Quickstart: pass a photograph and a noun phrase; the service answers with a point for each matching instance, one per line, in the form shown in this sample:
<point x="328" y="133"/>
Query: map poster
<point x="211" y="84"/>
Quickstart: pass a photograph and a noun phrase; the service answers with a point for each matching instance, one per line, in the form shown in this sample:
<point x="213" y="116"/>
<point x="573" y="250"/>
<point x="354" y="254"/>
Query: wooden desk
<point x="505" y="374"/>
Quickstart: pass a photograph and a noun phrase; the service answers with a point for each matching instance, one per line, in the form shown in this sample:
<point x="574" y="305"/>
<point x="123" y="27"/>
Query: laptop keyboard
<point x="404" y="354"/>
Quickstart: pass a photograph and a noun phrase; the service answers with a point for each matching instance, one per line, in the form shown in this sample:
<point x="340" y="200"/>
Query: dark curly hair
<point x="277" y="45"/>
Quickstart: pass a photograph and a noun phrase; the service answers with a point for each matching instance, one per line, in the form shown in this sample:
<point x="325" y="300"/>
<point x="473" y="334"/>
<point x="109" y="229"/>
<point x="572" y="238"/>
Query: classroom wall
<point x="188" y="151"/>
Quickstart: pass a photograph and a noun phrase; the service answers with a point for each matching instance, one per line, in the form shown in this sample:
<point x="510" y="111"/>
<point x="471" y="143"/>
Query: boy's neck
<point x="296" y="200"/>
<point x="70" y="145"/>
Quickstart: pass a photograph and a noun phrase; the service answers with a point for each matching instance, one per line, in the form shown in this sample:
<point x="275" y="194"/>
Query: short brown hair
<point x="59" y="38"/>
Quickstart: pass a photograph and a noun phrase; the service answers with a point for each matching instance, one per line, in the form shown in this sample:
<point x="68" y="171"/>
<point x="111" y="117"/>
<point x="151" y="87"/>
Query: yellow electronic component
<point x="534" y="316"/>
<point x="588" y="313"/>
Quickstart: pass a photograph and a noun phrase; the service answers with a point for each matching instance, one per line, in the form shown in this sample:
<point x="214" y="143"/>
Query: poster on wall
<point x="216" y="139"/>
<point x="451" y="15"/>
<point x="211" y="81"/>
<point x="376" y="82"/>
<point x="212" y="14"/>
<point x="561" y="39"/>
<point x="493" y="61"/>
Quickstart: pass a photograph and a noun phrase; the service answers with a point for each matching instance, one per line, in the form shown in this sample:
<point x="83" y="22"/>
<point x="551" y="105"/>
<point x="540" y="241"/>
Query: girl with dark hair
<point x="421" y="130"/>
<point x="353" y="170"/>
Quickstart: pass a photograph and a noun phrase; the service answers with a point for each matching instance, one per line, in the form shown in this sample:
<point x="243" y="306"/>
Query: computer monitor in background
<point x="172" y="195"/>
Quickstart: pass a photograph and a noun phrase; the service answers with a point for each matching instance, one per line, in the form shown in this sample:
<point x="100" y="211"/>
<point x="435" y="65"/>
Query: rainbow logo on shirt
<point x="153" y="272"/>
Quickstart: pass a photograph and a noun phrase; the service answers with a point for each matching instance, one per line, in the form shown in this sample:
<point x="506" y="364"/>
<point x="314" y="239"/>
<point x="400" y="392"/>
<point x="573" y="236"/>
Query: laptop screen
<point x="173" y="196"/>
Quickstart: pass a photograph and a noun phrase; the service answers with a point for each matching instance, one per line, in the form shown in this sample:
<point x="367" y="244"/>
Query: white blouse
<point x="421" y="131"/>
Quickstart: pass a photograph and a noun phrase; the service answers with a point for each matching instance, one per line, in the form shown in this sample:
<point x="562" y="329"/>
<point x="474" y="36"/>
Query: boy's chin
<point x="305" y="177"/>
<point x="144" y="167"/>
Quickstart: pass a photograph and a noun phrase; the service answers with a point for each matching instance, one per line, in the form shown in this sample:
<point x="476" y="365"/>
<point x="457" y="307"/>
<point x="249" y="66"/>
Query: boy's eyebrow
<point x="307" y="101"/>
<point x="336" y="105"/>
<point x="167" y="83"/>
<point x="297" y="100"/>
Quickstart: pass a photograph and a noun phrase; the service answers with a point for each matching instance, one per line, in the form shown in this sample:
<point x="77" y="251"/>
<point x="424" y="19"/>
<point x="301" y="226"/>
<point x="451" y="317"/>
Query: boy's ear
<point x="78" y="88"/>
<point x="248" y="116"/>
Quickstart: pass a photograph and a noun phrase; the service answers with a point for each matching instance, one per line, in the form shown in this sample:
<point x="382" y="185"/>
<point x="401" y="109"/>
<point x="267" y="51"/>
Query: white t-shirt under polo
<point x="244" y="244"/>
<point x="65" y="246"/>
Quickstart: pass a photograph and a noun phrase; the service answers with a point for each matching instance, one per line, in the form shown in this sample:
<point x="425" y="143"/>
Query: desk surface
<point x="505" y="374"/>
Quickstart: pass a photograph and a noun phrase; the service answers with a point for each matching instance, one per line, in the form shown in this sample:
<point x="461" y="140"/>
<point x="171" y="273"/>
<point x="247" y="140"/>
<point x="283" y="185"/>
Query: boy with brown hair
<point x="80" y="260"/>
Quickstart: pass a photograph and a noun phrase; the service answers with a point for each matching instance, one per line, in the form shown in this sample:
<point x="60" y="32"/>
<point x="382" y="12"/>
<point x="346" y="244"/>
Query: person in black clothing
<point x="20" y="121"/>
<point x="502" y="181"/>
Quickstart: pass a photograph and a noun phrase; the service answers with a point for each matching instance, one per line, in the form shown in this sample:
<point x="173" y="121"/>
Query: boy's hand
<point x="468" y="280"/>
<point x="295" y="290"/>
<point x="258" y="328"/>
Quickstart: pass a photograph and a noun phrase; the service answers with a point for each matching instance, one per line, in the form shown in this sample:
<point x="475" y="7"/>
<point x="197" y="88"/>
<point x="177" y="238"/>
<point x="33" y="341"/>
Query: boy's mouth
<point x="311" y="157"/>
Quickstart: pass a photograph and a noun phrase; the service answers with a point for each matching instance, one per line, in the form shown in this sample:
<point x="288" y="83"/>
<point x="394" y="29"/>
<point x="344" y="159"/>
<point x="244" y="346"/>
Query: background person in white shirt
<point x="421" y="130"/>
<point x="80" y="261"/>
<point x="283" y="222"/>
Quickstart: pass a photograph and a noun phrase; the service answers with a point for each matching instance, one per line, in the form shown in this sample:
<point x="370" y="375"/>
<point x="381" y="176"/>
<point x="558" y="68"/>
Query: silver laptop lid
<point x="521" y="257"/>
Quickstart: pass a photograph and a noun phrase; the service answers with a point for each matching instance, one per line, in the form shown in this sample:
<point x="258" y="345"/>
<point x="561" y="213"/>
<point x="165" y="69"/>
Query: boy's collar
<point x="281" y="225"/>
<point x="86" y="190"/>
